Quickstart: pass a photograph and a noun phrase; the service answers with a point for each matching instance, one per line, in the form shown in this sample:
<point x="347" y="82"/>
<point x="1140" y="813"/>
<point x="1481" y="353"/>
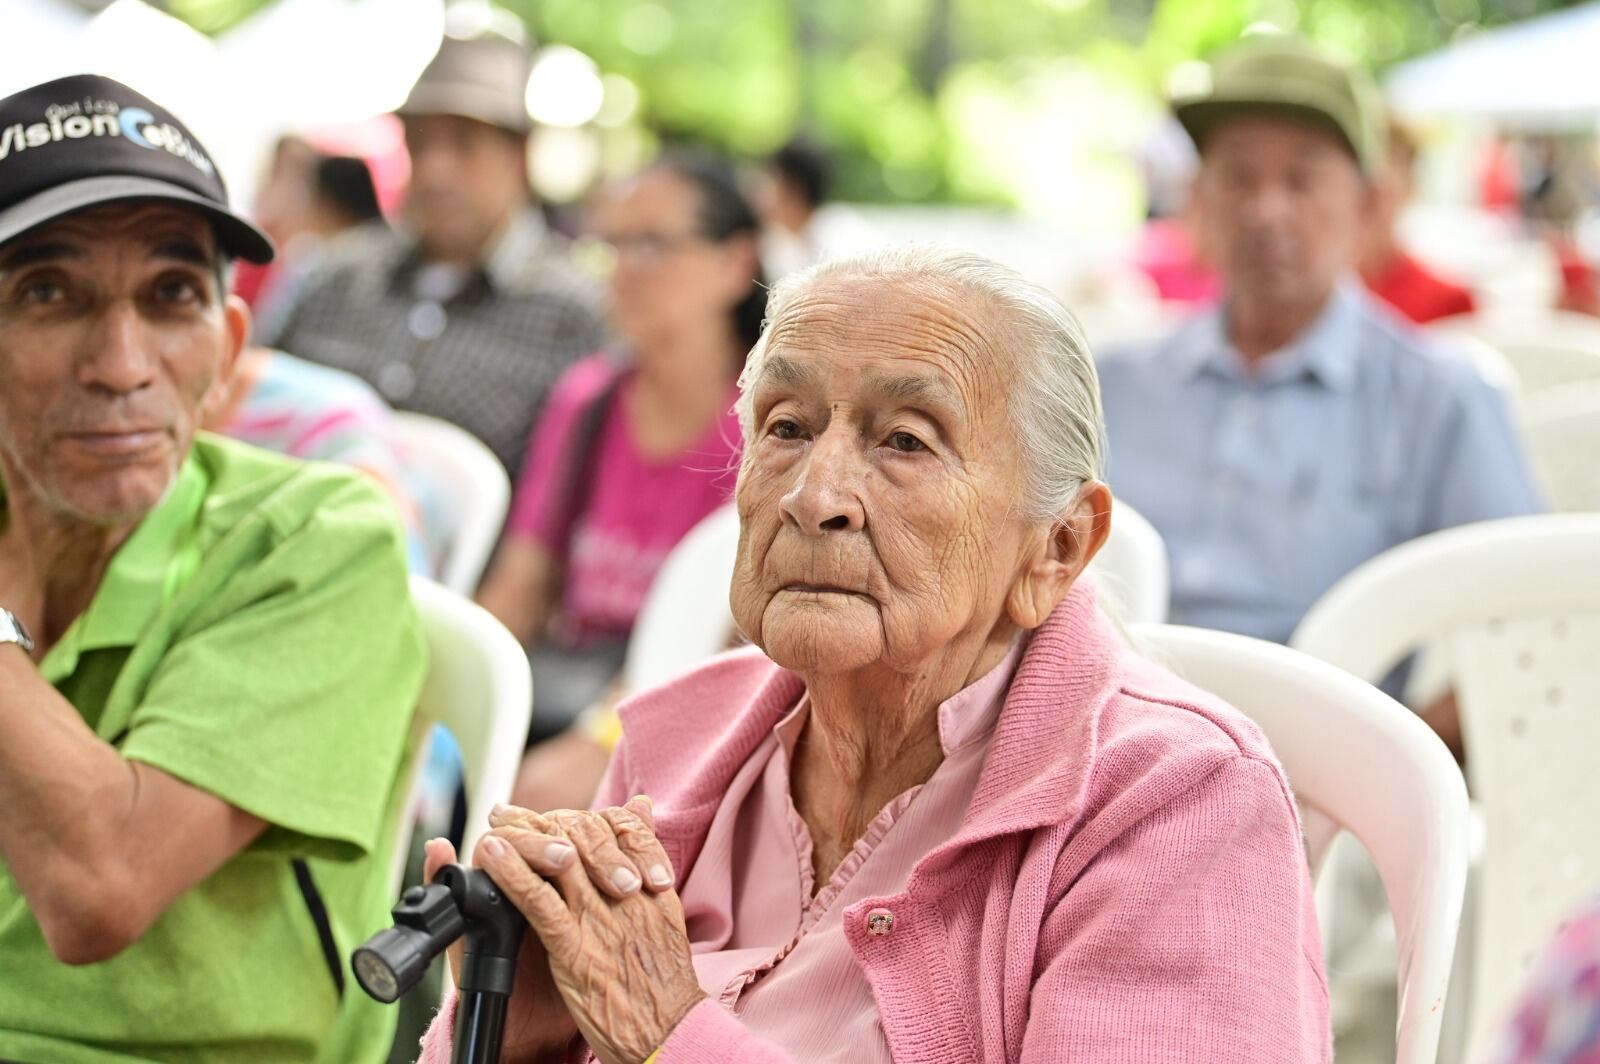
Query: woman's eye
<point x="904" y="441"/>
<point x="785" y="429"/>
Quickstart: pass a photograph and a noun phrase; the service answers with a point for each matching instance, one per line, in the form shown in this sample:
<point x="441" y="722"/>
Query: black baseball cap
<point x="85" y="140"/>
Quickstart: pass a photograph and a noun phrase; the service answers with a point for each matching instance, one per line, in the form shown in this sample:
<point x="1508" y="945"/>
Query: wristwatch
<point x="12" y="631"/>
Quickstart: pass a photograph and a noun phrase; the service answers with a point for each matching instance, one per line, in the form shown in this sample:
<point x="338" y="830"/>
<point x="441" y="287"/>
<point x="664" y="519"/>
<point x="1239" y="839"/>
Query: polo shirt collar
<point x="503" y="268"/>
<point x="1325" y="352"/>
<point x="508" y="260"/>
<point x="143" y="575"/>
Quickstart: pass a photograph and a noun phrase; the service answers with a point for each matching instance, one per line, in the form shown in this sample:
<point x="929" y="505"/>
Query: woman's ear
<point x="1065" y="551"/>
<point x="743" y="263"/>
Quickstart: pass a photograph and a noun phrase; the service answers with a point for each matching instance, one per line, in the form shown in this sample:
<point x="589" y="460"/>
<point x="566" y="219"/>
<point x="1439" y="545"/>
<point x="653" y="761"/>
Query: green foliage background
<point x="895" y="86"/>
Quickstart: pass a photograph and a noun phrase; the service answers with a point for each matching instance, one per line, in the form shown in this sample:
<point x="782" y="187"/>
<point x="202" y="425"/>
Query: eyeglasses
<point x="602" y="251"/>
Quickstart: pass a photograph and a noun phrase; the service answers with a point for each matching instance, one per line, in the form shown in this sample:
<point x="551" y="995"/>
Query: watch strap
<point x="12" y="631"/>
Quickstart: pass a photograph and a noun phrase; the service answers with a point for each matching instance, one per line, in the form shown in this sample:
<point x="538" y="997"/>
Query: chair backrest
<point x="1515" y="605"/>
<point x="1357" y="761"/>
<point x="1490" y="363"/>
<point x="478" y="685"/>
<point x="1131" y="569"/>
<point x="1562" y="427"/>
<point x="1546" y="350"/>
<point x="686" y="617"/>
<point x="468" y="495"/>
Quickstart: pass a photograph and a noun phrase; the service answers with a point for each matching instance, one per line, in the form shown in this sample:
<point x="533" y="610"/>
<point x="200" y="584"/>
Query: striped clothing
<point x="307" y="411"/>
<point x="1558" y="1019"/>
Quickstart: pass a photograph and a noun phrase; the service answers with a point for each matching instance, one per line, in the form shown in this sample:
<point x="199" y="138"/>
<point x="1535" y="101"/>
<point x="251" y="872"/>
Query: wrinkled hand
<point x="610" y="921"/>
<point x="537" y="1020"/>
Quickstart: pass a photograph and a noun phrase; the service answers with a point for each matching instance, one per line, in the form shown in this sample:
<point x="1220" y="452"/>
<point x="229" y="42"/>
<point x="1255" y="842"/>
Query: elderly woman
<point x="939" y="811"/>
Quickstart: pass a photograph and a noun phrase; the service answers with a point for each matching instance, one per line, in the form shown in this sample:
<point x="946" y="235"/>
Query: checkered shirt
<point x="483" y="359"/>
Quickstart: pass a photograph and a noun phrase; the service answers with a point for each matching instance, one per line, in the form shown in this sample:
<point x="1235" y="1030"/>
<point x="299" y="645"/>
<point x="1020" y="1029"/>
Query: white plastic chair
<point x="479" y="687"/>
<point x="1357" y="761"/>
<point x="1546" y="350"/>
<point x="1132" y="569"/>
<point x="1516" y="606"/>
<point x="468" y="485"/>
<point x="686" y="617"/>
<point x="1562" y="427"/>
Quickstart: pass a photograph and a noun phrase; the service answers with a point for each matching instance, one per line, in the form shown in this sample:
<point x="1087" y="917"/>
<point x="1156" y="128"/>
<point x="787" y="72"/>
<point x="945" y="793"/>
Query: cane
<point x="460" y="901"/>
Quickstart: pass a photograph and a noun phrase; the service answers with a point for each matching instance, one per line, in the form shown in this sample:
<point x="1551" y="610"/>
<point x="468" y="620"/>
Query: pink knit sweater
<point x="1128" y="886"/>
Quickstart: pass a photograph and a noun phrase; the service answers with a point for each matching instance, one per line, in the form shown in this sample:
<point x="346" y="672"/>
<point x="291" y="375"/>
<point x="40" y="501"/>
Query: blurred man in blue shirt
<point x="1300" y="428"/>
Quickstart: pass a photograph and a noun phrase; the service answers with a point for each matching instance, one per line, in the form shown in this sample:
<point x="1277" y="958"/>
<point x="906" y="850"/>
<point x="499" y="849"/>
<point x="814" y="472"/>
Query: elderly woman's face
<point x="879" y="496"/>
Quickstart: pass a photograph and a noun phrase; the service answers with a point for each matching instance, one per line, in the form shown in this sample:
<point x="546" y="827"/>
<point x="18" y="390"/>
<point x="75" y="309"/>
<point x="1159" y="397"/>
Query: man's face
<point x="1280" y="207"/>
<point x="467" y="178"/>
<point x="113" y="331"/>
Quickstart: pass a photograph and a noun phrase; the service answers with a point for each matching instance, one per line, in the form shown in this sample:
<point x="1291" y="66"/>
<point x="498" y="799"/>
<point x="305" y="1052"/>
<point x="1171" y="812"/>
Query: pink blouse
<point x="635" y="510"/>
<point x="769" y="950"/>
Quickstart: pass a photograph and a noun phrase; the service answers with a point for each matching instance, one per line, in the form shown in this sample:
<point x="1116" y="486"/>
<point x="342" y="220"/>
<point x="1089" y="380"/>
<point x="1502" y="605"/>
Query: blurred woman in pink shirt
<point x="939" y="811"/>
<point x="632" y="450"/>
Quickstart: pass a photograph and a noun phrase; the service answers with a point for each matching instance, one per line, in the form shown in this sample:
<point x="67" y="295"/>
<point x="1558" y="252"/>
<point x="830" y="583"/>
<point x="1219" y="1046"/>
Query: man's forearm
<point x="99" y="845"/>
<point x="61" y="786"/>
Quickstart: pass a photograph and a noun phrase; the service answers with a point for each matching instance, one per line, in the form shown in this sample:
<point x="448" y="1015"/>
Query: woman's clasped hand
<point x="608" y="956"/>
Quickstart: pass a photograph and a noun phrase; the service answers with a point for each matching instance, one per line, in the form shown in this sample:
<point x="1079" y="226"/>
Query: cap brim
<point x="1200" y="117"/>
<point x="236" y="236"/>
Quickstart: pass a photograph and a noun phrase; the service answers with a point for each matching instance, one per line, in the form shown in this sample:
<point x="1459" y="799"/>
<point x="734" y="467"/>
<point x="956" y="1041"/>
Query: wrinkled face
<point x="879" y="495"/>
<point x="467" y="178"/>
<point x="668" y="277"/>
<point x="1280" y="207"/>
<point x="112" y="333"/>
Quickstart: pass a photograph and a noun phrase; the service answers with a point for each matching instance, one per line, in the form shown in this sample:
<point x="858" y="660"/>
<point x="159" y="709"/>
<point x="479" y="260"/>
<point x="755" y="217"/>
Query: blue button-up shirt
<point x="1271" y="483"/>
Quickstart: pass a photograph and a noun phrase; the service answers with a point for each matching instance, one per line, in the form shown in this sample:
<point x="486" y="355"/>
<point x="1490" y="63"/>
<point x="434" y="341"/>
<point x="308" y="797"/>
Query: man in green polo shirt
<point x="208" y="655"/>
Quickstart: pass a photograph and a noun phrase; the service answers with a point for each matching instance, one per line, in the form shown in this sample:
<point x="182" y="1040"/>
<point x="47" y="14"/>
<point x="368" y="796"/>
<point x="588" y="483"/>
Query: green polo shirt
<point x="255" y="638"/>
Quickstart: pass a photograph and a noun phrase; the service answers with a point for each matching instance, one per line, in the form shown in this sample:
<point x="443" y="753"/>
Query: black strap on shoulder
<point x="577" y="475"/>
<point x="319" y="917"/>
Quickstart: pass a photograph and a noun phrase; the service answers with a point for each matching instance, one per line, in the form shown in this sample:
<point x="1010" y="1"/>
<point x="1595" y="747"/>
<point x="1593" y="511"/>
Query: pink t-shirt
<point x="637" y="507"/>
<point x="764" y="946"/>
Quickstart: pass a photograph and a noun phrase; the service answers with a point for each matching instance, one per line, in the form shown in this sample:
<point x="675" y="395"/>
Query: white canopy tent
<point x="1537" y="75"/>
<point x="295" y="65"/>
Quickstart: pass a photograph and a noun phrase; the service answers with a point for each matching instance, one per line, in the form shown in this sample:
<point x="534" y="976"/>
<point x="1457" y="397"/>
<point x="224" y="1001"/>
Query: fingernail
<point x="660" y="876"/>
<point x="494" y="847"/>
<point x="558" y="854"/>
<point x="625" y="880"/>
<point x="501" y="812"/>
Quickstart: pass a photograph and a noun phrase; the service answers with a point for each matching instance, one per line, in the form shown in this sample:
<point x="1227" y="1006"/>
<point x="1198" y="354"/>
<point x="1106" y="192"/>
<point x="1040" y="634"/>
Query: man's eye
<point x="43" y="293"/>
<point x="178" y="291"/>
<point x="904" y="441"/>
<point x="785" y="429"/>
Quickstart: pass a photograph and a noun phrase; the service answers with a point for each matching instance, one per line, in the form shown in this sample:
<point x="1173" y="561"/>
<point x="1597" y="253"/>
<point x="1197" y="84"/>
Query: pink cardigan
<point x="1129" y="884"/>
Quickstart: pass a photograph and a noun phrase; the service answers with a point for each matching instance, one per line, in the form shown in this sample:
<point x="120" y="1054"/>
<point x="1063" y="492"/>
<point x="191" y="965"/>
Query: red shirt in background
<point x="1420" y="295"/>
<point x="250" y="280"/>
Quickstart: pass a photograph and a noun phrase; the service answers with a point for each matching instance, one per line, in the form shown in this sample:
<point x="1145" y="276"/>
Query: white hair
<point x="1055" y="403"/>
